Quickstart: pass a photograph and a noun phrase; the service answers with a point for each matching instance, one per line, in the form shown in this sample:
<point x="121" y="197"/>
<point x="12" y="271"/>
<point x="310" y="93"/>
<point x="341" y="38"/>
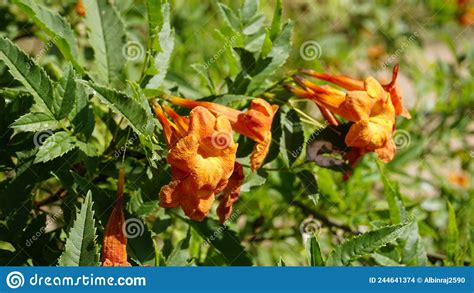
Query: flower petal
<point x="231" y="193"/>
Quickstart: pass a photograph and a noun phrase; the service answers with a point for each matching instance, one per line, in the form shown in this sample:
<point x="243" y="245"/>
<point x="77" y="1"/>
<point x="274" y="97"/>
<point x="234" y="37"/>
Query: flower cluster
<point x="371" y="106"/>
<point x="202" y="153"/>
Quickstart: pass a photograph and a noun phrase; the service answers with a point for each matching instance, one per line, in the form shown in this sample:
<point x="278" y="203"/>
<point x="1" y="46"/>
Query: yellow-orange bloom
<point x="371" y="106"/>
<point x="114" y="248"/>
<point x="255" y="123"/>
<point x="202" y="155"/>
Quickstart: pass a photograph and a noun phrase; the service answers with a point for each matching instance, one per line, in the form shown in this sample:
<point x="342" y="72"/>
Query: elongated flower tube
<point x="371" y="106"/>
<point x="359" y="85"/>
<point x="202" y="155"/>
<point x="114" y="248"/>
<point x="255" y="123"/>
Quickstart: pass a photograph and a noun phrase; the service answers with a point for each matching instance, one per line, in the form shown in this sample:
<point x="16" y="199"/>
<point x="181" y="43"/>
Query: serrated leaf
<point x="166" y="44"/>
<point x="63" y="103"/>
<point x="26" y="71"/>
<point x="55" y="146"/>
<point x="35" y="121"/>
<point x="56" y="27"/>
<point x="293" y="136"/>
<point x="81" y="247"/>
<point x="81" y="116"/>
<point x="364" y="244"/>
<point x="89" y="149"/>
<point x="106" y="34"/>
<point x="124" y="105"/>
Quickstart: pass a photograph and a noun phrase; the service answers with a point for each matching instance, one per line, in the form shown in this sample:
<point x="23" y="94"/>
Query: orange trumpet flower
<point x="202" y="155"/>
<point x="255" y="123"/>
<point x="114" y="248"/>
<point x="371" y="106"/>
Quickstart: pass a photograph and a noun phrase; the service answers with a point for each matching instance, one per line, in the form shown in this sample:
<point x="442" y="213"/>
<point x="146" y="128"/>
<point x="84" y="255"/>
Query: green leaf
<point x="249" y="9"/>
<point x="396" y="208"/>
<point x="122" y="104"/>
<point x="180" y="254"/>
<point x="293" y="136"/>
<point x="155" y="16"/>
<point x="64" y="102"/>
<point x="106" y="33"/>
<point x="81" y="247"/>
<point x="35" y="121"/>
<point x="224" y="240"/>
<point x="26" y="71"/>
<point x="166" y="44"/>
<point x="453" y="237"/>
<point x="277" y="57"/>
<point x="281" y="262"/>
<point x="140" y="248"/>
<point x="364" y="244"/>
<point x="55" y="146"/>
<point x="414" y="252"/>
<point x="310" y="184"/>
<point x="314" y="252"/>
<point x="56" y="27"/>
<point x="413" y="249"/>
<point x="384" y="260"/>
<point x="81" y="116"/>
<point x="276" y="21"/>
<point x="230" y="19"/>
